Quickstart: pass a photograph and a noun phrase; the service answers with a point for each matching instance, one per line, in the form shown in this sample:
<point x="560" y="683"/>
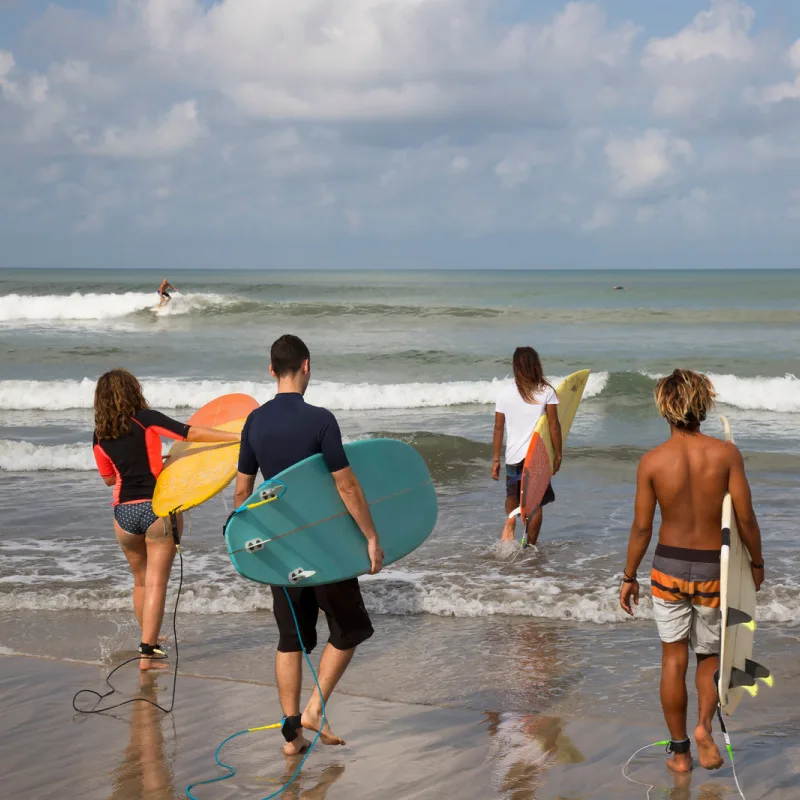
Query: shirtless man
<point x="688" y="476"/>
<point x="163" y="293"/>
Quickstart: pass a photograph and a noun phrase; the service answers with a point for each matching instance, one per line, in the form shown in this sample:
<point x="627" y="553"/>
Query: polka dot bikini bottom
<point x="135" y="518"/>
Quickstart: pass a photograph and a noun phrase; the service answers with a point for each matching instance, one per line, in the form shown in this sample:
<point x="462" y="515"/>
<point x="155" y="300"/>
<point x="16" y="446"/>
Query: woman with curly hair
<point x="127" y="449"/>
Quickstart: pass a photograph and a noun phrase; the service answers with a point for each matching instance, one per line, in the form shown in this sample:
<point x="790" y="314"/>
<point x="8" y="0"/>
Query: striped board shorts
<point x="686" y="599"/>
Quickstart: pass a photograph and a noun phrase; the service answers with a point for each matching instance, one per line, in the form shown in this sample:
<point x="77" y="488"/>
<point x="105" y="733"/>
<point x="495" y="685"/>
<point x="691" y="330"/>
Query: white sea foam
<point x="755" y="394"/>
<point x="394" y="591"/>
<point x="91" y="306"/>
<point x="752" y="394"/>
<point x="16" y="456"/>
<point x="16" y="395"/>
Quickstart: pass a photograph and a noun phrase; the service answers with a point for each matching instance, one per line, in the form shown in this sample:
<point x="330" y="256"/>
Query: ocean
<point x="420" y="357"/>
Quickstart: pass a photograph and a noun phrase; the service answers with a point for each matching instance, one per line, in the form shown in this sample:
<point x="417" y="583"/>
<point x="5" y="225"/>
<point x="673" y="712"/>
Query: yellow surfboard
<point x="195" y="471"/>
<point x="538" y="468"/>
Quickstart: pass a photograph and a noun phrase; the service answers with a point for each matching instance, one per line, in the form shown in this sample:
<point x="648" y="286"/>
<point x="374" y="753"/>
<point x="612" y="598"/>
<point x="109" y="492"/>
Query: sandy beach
<point x="574" y="750"/>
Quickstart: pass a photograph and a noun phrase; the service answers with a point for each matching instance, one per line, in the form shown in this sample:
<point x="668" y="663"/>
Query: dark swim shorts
<point x="348" y="621"/>
<point x="514" y="484"/>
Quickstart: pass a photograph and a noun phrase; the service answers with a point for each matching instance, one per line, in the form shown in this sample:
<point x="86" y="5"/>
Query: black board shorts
<point x="342" y="604"/>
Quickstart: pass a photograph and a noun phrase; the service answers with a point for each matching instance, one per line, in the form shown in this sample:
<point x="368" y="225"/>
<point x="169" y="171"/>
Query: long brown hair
<point x="684" y="398"/>
<point x="117" y="397"/>
<point x="528" y="373"/>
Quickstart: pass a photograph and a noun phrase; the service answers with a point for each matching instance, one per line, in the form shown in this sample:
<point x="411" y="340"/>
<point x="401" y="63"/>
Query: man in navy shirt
<point x="279" y="434"/>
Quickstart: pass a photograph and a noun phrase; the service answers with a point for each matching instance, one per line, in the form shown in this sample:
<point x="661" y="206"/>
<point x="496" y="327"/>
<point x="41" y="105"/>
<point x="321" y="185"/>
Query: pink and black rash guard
<point x="135" y="458"/>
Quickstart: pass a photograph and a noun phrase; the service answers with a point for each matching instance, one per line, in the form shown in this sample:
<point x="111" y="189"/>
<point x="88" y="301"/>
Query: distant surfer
<point x="164" y="294"/>
<point x="127" y="450"/>
<point x="518" y="409"/>
<point x="283" y="432"/>
<point x="618" y="288"/>
<point x="688" y="476"/>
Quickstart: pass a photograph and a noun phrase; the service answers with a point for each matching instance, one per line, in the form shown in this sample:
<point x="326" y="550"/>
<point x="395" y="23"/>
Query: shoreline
<point x="395" y="750"/>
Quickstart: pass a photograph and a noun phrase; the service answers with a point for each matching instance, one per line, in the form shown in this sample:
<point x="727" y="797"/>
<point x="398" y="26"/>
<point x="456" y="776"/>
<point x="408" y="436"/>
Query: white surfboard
<point x="738" y="673"/>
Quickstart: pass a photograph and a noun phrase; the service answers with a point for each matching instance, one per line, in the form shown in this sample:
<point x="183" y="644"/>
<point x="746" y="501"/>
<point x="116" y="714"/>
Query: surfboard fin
<point x="515" y="513"/>
<point x="759" y="672"/>
<point x="736" y="617"/>
<point x="301" y="574"/>
<point x="742" y="680"/>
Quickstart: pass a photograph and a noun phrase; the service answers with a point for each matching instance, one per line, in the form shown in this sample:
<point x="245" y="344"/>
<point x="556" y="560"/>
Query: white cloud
<point x="641" y="163"/>
<point x="794" y="55"/>
<point x="392" y="117"/>
<point x="782" y="91"/>
<point x="603" y="216"/>
<point x="49" y="173"/>
<point x="178" y="130"/>
<point x="721" y="32"/>
<point x="512" y="172"/>
<point x="460" y="164"/>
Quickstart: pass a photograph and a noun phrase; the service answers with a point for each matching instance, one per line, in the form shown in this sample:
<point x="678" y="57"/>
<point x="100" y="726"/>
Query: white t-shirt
<point x="521" y="418"/>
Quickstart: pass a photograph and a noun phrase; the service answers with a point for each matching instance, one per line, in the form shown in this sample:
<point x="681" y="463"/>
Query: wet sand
<point x="394" y="751"/>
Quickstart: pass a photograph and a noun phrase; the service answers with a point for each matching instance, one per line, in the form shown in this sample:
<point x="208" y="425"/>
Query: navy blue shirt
<point x="286" y="430"/>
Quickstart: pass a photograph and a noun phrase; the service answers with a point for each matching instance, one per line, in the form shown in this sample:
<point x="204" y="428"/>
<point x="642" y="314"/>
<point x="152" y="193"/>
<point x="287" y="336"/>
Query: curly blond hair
<point x="684" y="398"/>
<point x="117" y="397"/>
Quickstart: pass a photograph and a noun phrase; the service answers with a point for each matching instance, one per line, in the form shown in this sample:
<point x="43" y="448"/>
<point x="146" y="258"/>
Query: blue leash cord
<point x="232" y="770"/>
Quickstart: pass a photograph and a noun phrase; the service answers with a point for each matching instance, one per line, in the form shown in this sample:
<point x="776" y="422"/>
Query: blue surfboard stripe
<point x="309" y="528"/>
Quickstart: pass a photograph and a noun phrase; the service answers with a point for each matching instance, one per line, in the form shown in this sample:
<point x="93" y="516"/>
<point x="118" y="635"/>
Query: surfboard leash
<point x="100" y="697"/>
<point x="667" y="742"/>
<point x="231" y="770"/>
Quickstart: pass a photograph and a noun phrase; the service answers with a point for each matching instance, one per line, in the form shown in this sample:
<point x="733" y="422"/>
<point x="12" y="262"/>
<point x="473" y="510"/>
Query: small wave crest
<point x="401" y="593"/>
<point x="18" y="456"/>
<point x="92" y="306"/>
<point x="18" y="395"/>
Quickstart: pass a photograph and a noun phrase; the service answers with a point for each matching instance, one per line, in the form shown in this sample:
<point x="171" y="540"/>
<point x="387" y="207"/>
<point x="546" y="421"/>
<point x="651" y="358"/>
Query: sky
<point x="486" y="134"/>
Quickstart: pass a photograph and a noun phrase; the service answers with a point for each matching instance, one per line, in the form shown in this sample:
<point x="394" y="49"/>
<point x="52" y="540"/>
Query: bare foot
<point x="680" y="762"/>
<point x="310" y="721"/>
<point x="707" y="749"/>
<point x="299" y="745"/>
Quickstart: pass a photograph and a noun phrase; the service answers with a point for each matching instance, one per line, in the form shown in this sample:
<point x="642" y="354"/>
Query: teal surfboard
<point x="295" y="530"/>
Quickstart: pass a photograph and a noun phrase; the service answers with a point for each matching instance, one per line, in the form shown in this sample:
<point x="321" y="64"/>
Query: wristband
<point x="628" y="579"/>
<point x="757" y="566"/>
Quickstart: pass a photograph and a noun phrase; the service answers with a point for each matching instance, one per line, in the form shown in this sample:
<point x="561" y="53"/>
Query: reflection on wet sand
<point x="145" y="772"/>
<point x="537" y="672"/>
<point x="523" y="747"/>
<point x="319" y="790"/>
<point x="682" y="789"/>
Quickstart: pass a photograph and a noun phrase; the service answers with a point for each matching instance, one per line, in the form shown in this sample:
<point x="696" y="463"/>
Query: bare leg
<point x="510" y="526"/>
<point x="160" y="555"/>
<point x="289" y="675"/>
<point x="331" y="668"/>
<point x="135" y="551"/>
<point x="535" y="526"/>
<point x="674" y="663"/>
<point x="707" y="700"/>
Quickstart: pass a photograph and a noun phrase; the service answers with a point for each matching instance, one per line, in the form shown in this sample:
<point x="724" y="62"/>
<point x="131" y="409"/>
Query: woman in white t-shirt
<point x="519" y="408"/>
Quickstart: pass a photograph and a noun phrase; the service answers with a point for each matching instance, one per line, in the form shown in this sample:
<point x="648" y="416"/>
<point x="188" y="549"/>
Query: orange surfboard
<point x="195" y="471"/>
<point x="537" y="470"/>
<point x="223" y="409"/>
